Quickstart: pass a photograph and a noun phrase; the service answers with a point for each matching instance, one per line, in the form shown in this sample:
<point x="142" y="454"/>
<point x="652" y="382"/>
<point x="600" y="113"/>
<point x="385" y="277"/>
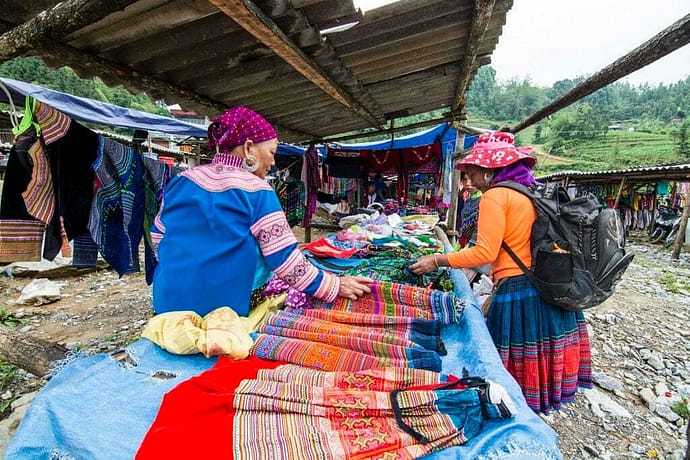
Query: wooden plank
<point x="668" y="40"/>
<point x="265" y="30"/>
<point x="116" y="74"/>
<point x="483" y="10"/>
<point x="56" y="23"/>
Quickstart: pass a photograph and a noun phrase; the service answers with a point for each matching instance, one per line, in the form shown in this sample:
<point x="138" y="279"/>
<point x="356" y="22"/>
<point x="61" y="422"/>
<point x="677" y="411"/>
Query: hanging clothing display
<point x="65" y="181"/>
<point x="312" y="178"/>
<point x="117" y="214"/>
<point x="291" y="194"/>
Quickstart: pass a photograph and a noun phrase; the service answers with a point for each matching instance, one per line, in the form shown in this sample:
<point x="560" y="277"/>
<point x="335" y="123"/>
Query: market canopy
<point x="443" y="133"/>
<point x="315" y="68"/>
<point x="102" y="113"/>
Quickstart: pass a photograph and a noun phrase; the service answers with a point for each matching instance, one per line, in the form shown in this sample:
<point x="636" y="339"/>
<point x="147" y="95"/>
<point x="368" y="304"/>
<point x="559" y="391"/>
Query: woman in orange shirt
<point x="545" y="348"/>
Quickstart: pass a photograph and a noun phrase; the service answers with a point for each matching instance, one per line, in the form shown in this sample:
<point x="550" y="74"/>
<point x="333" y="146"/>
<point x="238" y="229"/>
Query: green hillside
<point x="617" y="150"/>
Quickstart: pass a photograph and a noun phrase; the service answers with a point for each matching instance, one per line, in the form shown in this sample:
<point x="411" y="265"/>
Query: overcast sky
<point x="551" y="40"/>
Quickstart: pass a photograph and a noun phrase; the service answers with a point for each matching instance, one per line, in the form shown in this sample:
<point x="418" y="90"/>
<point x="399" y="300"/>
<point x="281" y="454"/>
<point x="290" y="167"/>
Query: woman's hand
<point x="353" y="287"/>
<point x="425" y="264"/>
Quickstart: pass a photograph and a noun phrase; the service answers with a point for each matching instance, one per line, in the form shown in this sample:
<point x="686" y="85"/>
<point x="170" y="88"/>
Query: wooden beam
<point x="88" y="65"/>
<point x="56" y="23"/>
<point x="481" y="16"/>
<point x="255" y="22"/>
<point x="670" y="39"/>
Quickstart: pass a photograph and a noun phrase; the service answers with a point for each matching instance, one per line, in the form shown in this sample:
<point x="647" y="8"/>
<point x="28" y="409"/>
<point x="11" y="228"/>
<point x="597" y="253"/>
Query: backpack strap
<point x="517" y="260"/>
<point x="527" y="192"/>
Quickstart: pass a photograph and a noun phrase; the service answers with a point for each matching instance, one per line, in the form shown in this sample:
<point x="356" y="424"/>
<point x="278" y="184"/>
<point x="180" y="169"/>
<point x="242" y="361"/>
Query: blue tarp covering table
<point x="101" y="408"/>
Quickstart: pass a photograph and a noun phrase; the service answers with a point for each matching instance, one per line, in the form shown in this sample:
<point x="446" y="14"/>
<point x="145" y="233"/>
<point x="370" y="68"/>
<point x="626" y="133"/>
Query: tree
<point x="537" y="134"/>
<point x="682" y="135"/>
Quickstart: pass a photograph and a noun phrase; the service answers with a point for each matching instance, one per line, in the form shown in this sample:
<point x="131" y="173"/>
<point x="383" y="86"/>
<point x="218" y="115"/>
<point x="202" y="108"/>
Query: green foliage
<point x="682" y="408"/>
<point x="8" y="375"/>
<point x="8" y="319"/>
<point x="579" y="133"/>
<point x="33" y="70"/>
<point x="682" y="135"/>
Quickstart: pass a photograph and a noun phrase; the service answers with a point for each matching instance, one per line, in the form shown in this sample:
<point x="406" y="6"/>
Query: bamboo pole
<point x="670" y="39"/>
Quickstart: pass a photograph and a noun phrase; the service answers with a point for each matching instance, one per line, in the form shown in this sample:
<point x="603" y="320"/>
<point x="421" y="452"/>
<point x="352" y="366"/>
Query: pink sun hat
<point x="496" y="150"/>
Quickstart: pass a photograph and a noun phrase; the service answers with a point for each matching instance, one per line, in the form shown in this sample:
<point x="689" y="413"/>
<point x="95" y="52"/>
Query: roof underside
<point x="406" y="58"/>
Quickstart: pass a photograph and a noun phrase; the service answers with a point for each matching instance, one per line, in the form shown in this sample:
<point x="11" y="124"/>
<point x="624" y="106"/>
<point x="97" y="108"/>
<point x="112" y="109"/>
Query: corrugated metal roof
<point x="401" y="59"/>
<point x="640" y="174"/>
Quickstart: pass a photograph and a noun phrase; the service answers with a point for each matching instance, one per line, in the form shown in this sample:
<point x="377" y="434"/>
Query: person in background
<point x="343" y="208"/>
<point x="545" y="348"/>
<point x="379" y="188"/>
<point x="468" y="224"/>
<point x="372" y="197"/>
<point x="221" y="233"/>
<point x="469" y="212"/>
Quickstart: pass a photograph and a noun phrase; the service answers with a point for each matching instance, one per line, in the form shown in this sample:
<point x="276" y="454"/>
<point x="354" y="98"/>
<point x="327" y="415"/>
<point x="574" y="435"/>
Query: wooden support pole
<point x="56" y="23"/>
<point x="670" y="39"/>
<point x="619" y="194"/>
<point x="680" y="237"/>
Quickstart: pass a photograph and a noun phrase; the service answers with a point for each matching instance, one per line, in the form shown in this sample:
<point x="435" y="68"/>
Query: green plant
<point x="668" y="280"/>
<point x="8" y="319"/>
<point x="682" y="408"/>
<point x="8" y="374"/>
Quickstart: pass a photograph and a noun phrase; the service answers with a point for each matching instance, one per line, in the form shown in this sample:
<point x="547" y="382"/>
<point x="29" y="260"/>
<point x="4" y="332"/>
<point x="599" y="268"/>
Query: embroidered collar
<point x="227" y="159"/>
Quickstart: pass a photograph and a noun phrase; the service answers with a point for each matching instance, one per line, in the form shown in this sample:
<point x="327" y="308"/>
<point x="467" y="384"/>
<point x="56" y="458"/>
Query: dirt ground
<point x="649" y="314"/>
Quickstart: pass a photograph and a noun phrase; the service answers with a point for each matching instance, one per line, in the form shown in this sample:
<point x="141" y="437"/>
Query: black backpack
<point x="578" y="252"/>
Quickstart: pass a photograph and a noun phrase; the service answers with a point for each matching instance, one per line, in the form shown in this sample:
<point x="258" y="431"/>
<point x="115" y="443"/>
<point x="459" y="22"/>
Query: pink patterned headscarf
<point x="237" y="125"/>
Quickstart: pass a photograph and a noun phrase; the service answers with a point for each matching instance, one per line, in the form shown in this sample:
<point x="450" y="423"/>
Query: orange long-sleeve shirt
<point x="504" y="215"/>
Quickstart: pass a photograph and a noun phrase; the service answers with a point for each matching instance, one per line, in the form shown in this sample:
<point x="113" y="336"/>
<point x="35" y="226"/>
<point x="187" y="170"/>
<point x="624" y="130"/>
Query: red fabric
<point x="322" y="248"/>
<point x="195" y="418"/>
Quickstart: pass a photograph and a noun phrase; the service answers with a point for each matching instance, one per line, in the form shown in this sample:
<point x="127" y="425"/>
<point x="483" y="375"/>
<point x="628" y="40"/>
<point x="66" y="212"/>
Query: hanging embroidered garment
<point x="292" y="413"/>
<point x="84" y="251"/>
<point x="156" y="176"/>
<point x="21" y="236"/>
<point x="39" y="196"/>
<point x="117" y="213"/>
<point x="291" y="193"/>
<point x="312" y="179"/>
<point x="21" y="240"/>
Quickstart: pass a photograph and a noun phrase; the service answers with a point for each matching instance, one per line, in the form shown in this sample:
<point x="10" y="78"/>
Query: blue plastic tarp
<point x="289" y="149"/>
<point x="90" y="110"/>
<point x="98" y="408"/>
<point x="444" y="133"/>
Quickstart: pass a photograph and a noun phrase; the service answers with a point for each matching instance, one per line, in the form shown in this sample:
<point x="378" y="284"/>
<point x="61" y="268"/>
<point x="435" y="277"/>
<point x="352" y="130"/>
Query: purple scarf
<point x="517" y="172"/>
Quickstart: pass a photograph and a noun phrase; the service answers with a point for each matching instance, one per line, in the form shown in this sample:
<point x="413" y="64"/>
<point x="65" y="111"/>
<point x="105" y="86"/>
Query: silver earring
<point x="250" y="164"/>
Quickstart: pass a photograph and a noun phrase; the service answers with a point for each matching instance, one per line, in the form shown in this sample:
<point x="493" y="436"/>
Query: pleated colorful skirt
<point x="545" y="348"/>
